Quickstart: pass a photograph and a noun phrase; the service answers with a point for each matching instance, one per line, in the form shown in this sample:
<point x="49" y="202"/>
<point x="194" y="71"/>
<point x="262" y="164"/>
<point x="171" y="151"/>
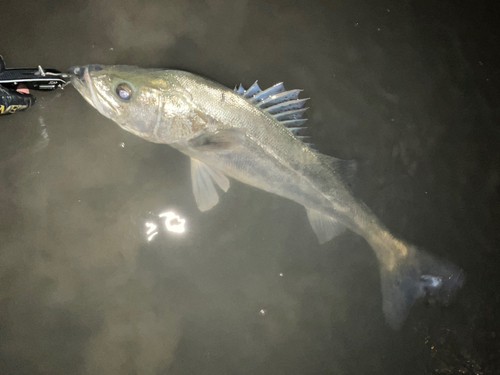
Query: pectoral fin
<point x="203" y="184"/>
<point x="222" y="140"/>
<point x="324" y="226"/>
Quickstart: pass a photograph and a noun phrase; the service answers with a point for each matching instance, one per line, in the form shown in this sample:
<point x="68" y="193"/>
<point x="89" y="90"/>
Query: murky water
<point x="108" y="267"/>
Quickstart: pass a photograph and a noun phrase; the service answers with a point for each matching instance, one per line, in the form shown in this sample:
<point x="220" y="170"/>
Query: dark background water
<point x="408" y="88"/>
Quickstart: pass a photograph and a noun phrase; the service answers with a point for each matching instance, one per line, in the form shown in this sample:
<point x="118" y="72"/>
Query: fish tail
<point x="409" y="274"/>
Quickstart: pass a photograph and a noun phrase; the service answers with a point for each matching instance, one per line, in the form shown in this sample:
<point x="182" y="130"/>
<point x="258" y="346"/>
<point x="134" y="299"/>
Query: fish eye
<point x="124" y="92"/>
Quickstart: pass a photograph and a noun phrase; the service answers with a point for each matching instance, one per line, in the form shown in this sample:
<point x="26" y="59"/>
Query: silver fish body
<point x="252" y="136"/>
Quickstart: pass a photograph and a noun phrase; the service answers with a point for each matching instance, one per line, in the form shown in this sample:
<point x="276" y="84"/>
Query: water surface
<point x="408" y="89"/>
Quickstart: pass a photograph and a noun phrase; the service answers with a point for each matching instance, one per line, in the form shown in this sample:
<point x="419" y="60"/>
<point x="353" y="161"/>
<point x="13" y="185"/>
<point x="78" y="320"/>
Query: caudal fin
<point x="414" y="276"/>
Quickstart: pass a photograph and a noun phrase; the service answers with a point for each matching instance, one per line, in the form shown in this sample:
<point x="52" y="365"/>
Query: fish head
<point x="133" y="97"/>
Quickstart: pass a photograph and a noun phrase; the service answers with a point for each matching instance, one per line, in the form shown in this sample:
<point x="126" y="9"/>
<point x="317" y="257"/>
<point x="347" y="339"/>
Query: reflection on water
<point x="172" y="222"/>
<point x="151" y="230"/>
<point x="45" y="135"/>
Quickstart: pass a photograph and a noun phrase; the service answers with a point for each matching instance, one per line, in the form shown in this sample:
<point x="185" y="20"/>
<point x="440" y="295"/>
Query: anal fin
<point x="203" y="178"/>
<point x="324" y="226"/>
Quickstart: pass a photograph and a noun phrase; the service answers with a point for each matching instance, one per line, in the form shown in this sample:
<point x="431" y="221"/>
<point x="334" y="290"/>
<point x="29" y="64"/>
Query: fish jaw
<point x="81" y="79"/>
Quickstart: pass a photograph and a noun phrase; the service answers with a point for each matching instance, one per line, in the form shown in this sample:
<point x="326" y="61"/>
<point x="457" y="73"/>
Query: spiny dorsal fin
<point x="285" y="106"/>
<point x="267" y="93"/>
<point x="250" y="93"/>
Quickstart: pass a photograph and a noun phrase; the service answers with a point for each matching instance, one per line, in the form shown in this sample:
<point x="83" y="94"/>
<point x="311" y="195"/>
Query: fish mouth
<point x="79" y="71"/>
<point x="81" y="79"/>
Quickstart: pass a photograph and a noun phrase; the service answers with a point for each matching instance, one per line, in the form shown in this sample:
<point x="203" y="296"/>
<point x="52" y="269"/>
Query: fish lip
<point x="76" y="74"/>
<point x="82" y="81"/>
<point x="76" y="77"/>
<point x="79" y="70"/>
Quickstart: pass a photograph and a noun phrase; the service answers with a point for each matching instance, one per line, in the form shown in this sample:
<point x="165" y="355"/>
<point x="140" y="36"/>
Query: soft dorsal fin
<point x="346" y="169"/>
<point x="285" y="106"/>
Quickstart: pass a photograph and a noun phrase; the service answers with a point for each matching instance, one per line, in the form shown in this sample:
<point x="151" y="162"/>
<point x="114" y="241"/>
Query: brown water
<point x="408" y="89"/>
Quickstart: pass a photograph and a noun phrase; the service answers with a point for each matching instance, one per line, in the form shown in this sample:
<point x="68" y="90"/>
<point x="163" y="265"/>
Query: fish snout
<point x="79" y="70"/>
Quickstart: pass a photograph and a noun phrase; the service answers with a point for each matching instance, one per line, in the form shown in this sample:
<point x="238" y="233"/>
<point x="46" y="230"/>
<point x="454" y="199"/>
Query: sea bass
<point x="254" y="136"/>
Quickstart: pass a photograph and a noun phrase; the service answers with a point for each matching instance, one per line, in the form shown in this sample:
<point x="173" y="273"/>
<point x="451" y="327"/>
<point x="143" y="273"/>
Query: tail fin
<point x="414" y="276"/>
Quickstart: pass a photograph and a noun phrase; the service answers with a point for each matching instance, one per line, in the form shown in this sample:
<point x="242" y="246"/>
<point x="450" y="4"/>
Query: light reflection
<point x="42" y="143"/>
<point x="152" y="227"/>
<point x="173" y="222"/>
<point x="151" y="237"/>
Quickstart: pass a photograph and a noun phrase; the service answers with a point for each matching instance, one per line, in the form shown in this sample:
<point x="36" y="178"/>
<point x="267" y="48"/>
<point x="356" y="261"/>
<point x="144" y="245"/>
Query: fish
<point x="258" y="137"/>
